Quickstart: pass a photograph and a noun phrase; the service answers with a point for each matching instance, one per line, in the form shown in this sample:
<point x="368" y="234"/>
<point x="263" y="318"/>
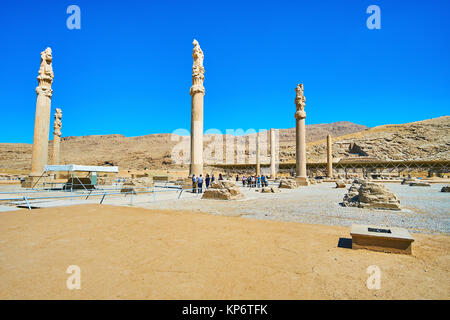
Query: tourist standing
<point x="200" y="184"/>
<point x="258" y="181"/>
<point x="220" y="176"/>
<point x="194" y="184"/>
<point x="213" y="178"/>
<point x="243" y="181"/>
<point x="207" y="180"/>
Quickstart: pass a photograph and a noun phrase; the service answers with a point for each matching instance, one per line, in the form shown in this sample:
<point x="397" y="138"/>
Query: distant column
<point x="258" y="161"/>
<point x="42" y="118"/>
<point x="300" y="116"/>
<point x="56" y="136"/>
<point x="329" y="157"/>
<point x="197" y="93"/>
<point x="272" y="154"/>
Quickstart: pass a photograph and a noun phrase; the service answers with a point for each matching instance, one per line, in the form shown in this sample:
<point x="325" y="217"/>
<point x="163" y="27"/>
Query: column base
<point x="30" y="181"/>
<point x="301" y="181"/>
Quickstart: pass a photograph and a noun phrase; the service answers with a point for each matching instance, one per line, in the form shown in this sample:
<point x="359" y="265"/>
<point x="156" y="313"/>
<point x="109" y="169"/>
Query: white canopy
<point x="75" y="167"/>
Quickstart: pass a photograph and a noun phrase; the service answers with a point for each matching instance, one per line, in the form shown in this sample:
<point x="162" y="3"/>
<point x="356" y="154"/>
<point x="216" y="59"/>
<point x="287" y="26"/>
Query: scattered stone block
<point x="371" y="195"/>
<point x="287" y="184"/>
<point x="419" y="184"/>
<point x="223" y="190"/>
<point x="408" y="180"/>
<point x="340" y="184"/>
<point x="137" y="184"/>
<point x="392" y="240"/>
<point x="270" y="190"/>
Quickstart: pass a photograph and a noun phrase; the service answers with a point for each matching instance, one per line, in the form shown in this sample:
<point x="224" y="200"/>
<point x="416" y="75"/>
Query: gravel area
<point x="425" y="209"/>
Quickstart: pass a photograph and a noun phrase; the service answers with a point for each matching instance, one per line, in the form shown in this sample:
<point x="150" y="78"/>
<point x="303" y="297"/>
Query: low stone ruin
<point x="137" y="184"/>
<point x="79" y="183"/>
<point x="445" y="189"/>
<point x="370" y="195"/>
<point x="419" y="184"/>
<point x="408" y="180"/>
<point x="105" y="180"/>
<point x="270" y="190"/>
<point x="340" y="184"/>
<point x="314" y="181"/>
<point x="223" y="190"/>
<point x="287" y="184"/>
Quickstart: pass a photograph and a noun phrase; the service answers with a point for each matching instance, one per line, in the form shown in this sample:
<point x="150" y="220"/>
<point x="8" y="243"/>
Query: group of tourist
<point x="254" y="181"/>
<point x="197" y="182"/>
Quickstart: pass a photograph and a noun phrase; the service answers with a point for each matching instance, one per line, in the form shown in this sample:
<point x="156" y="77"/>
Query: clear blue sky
<point x="128" y="70"/>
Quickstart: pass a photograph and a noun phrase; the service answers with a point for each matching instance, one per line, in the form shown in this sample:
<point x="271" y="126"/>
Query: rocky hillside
<point x="422" y="140"/>
<point x="150" y="151"/>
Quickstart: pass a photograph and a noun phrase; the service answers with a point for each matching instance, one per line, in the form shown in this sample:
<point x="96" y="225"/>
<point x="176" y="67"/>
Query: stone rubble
<point x="223" y="190"/>
<point x="371" y="195"/>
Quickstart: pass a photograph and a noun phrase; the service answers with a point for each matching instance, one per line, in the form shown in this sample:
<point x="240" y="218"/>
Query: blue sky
<point x="128" y="70"/>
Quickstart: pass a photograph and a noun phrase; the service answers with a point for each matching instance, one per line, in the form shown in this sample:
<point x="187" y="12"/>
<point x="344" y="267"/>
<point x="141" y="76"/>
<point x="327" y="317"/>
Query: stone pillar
<point x="329" y="158"/>
<point x="56" y="136"/>
<point x="300" y="141"/>
<point x="197" y="92"/>
<point x="258" y="160"/>
<point x="272" y="154"/>
<point x="42" y="118"/>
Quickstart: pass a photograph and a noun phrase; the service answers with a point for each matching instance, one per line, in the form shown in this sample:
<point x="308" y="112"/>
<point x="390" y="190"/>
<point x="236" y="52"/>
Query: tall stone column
<point x="197" y="93"/>
<point x="258" y="159"/>
<point x="272" y="154"/>
<point x="300" y="141"/>
<point x="56" y="136"/>
<point x="329" y="158"/>
<point x="42" y="119"/>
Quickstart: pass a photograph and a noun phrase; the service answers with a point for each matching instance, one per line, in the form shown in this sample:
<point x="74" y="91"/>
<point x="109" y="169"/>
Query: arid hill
<point x="421" y="140"/>
<point x="428" y="139"/>
<point x="149" y="151"/>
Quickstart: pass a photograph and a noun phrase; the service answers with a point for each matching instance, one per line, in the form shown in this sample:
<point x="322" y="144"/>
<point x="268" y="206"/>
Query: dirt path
<point x="127" y="253"/>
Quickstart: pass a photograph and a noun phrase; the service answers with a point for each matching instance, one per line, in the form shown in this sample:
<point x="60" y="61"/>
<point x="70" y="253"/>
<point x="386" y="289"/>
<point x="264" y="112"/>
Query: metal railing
<point x="92" y="193"/>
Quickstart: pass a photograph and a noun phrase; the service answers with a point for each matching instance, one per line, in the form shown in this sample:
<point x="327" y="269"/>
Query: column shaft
<point x="272" y="154"/>
<point x="329" y="157"/>
<point x="197" y="134"/>
<point x="258" y="163"/>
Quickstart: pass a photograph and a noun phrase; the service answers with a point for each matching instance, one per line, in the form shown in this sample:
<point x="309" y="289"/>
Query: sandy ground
<point x="129" y="253"/>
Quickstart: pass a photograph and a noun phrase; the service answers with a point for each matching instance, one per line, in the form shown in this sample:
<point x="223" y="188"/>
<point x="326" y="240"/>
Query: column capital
<point x="46" y="91"/>
<point x="196" y="88"/>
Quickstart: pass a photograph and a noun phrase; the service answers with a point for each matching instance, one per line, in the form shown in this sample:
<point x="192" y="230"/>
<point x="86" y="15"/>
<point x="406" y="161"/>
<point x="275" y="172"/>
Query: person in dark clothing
<point x="220" y="176"/>
<point x="213" y="178"/>
<point x="194" y="184"/>
<point x="207" y="180"/>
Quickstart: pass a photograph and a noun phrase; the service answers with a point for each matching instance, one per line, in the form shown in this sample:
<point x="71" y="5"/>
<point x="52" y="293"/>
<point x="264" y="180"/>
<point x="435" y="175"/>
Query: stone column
<point x="197" y="92"/>
<point x="272" y="154"/>
<point x="329" y="158"/>
<point x="300" y="141"/>
<point x="56" y="136"/>
<point x="42" y="119"/>
<point x="258" y="160"/>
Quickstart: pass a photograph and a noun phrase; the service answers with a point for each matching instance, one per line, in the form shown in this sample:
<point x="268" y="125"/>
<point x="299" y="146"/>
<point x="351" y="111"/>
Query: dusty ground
<point x="129" y="253"/>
